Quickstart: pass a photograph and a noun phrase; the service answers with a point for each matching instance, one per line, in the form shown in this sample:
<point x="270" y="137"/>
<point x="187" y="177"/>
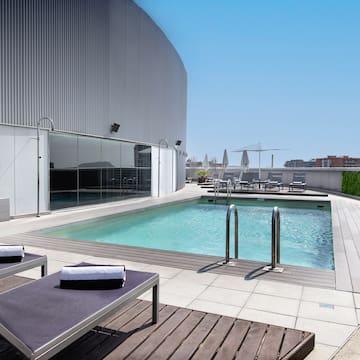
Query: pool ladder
<point x="231" y="208"/>
<point x="275" y="238"/>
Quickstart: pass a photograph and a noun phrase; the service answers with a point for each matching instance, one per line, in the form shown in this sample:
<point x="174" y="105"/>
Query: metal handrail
<point x="228" y="189"/>
<point x="228" y="215"/>
<point x="275" y="237"/>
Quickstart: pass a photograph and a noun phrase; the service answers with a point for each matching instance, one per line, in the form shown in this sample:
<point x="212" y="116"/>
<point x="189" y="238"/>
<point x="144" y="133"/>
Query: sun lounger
<point x="29" y="261"/>
<point x="274" y="181"/>
<point x="298" y="182"/>
<point x="40" y="318"/>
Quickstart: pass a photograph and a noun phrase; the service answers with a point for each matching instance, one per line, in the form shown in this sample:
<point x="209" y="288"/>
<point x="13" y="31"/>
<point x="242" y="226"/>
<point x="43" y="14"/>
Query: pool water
<point x="200" y="227"/>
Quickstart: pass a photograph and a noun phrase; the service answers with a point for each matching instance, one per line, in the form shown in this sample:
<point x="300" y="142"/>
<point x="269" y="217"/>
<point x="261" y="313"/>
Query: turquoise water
<point x="199" y="227"/>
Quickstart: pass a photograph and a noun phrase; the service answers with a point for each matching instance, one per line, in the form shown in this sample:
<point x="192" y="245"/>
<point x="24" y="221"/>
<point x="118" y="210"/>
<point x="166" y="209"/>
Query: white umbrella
<point x="225" y="159"/>
<point x="244" y="161"/>
<point x="205" y="163"/>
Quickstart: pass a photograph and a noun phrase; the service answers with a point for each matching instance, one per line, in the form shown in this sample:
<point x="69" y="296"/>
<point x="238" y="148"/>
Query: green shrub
<point x="351" y="183"/>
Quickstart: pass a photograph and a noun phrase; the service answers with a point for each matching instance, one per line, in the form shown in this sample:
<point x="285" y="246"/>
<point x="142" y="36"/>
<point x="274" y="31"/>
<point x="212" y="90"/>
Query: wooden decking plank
<point x="250" y="347"/>
<point x="272" y="343"/>
<point x="159" y="335"/>
<point x="140" y="334"/>
<point x="123" y="310"/>
<point x="173" y="341"/>
<point x="233" y="340"/>
<point x="130" y="315"/>
<point x="191" y="344"/>
<point x="291" y="339"/>
<point x="302" y="350"/>
<point x="209" y="347"/>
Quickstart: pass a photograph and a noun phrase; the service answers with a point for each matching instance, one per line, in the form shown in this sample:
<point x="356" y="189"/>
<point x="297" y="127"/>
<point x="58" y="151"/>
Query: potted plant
<point x="202" y="176"/>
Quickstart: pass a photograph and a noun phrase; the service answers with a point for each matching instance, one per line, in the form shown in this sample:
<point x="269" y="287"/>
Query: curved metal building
<point x="115" y="89"/>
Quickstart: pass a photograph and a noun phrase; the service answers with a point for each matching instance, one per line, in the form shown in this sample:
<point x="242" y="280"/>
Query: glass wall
<point x="86" y="170"/>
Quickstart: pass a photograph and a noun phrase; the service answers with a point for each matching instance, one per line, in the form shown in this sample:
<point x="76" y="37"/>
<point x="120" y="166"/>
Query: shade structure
<point x="257" y="148"/>
<point x="205" y="163"/>
<point x="225" y="159"/>
<point x="244" y="161"/>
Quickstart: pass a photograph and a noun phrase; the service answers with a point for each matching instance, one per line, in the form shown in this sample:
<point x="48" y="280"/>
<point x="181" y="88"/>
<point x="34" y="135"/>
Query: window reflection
<point x="85" y="170"/>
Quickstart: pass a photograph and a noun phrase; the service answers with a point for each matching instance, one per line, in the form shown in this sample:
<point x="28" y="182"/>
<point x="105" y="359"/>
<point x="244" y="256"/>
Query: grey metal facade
<point x="87" y="64"/>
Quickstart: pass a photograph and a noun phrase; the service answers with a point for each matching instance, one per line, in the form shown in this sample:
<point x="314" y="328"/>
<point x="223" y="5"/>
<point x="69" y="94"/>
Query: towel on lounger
<point x="11" y="253"/>
<point x="89" y="277"/>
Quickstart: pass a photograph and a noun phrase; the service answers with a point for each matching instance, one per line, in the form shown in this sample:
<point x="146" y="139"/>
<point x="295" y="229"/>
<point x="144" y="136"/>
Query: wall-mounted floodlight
<point x="115" y="127"/>
<point x="178" y="142"/>
<point x="39" y="157"/>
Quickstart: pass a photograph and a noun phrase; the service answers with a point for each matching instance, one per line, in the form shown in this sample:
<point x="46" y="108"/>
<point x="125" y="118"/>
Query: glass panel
<point x="127" y="155"/>
<point x="63" y="188"/>
<point x="111" y="184"/>
<point x="63" y="151"/>
<point x="89" y="152"/>
<point x="144" y="180"/>
<point x="110" y="153"/>
<point x="142" y="155"/>
<point x="89" y="186"/>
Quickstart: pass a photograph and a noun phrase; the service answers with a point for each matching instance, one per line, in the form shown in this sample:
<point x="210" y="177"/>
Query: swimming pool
<point x="199" y="227"/>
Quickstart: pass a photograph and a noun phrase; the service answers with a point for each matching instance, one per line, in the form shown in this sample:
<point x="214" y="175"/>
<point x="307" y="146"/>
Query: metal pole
<point x="275" y="237"/>
<point x="227" y="248"/>
<point x="38" y="157"/>
<point x="167" y="145"/>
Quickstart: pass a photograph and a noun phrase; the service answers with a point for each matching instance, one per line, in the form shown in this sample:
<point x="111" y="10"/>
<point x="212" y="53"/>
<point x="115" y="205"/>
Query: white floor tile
<point x="224" y="296"/>
<point x="214" y="308"/>
<point x="328" y="296"/>
<point x="273" y="304"/>
<point x="325" y="332"/>
<point x="266" y="317"/>
<point x="234" y="283"/>
<point x="200" y="278"/>
<point x="321" y="352"/>
<point x="277" y="288"/>
<point x="333" y="313"/>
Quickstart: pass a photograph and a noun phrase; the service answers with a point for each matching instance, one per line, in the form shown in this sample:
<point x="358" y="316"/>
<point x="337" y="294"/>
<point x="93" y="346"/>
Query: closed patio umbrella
<point x="205" y="163"/>
<point x="244" y="161"/>
<point x="225" y="159"/>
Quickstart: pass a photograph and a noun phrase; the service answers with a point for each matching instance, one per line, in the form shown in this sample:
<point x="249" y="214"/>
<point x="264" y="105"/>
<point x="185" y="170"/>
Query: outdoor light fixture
<point x="115" y="127"/>
<point x="39" y="157"/>
<point x="178" y="142"/>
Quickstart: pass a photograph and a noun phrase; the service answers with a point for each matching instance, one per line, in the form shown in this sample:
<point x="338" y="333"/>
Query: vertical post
<point x="275" y="237"/>
<point x="167" y="145"/>
<point x="39" y="157"/>
<point x="227" y="248"/>
<point x="155" y="303"/>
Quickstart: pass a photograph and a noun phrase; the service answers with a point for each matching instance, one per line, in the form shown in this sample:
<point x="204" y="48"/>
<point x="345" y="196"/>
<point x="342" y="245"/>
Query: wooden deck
<point x="180" y="334"/>
<point x="200" y="263"/>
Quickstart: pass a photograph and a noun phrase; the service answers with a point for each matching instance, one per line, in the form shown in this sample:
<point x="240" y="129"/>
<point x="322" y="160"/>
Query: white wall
<point x="18" y="169"/>
<point x="167" y="171"/>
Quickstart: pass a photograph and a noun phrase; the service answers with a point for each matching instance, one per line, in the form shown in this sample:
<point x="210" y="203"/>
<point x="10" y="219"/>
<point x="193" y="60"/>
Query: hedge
<point x="351" y="183"/>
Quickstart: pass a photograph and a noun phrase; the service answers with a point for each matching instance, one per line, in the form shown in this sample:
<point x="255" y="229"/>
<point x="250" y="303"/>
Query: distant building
<point x="300" y="163"/>
<point x="334" y="161"/>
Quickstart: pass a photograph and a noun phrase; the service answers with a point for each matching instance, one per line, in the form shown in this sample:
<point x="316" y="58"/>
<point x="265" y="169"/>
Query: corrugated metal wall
<point x="88" y="63"/>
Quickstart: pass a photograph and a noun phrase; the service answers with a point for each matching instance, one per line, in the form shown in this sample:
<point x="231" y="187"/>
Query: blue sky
<point x="285" y="73"/>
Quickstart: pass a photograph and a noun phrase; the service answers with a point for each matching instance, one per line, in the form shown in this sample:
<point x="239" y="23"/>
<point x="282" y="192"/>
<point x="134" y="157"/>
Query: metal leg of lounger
<point x="44" y="270"/>
<point x="155" y="303"/>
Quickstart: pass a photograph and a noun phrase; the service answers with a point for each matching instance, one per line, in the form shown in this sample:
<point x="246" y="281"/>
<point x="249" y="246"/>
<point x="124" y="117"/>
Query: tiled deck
<point x="331" y="313"/>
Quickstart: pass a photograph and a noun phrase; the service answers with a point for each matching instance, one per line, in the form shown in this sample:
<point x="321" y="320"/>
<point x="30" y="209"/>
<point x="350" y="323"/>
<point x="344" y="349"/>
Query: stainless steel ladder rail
<point x="228" y="190"/>
<point x="275" y="242"/>
<point x="216" y="188"/>
<point x="231" y="208"/>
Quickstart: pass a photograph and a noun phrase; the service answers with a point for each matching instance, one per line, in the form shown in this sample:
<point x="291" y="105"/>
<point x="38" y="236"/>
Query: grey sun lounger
<point x="29" y="261"/>
<point x="40" y="318"/>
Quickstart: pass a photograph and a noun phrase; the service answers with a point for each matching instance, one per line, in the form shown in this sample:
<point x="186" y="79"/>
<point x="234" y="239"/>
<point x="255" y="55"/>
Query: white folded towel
<point x="12" y="251"/>
<point x="93" y="272"/>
